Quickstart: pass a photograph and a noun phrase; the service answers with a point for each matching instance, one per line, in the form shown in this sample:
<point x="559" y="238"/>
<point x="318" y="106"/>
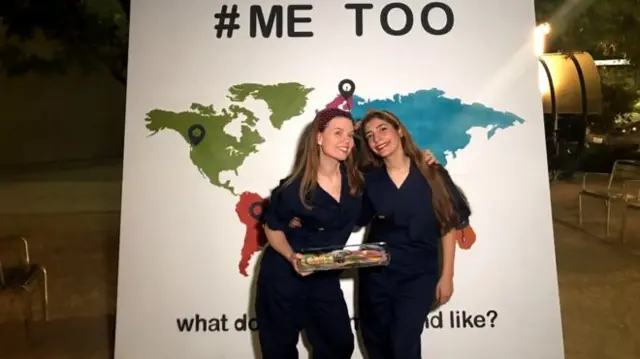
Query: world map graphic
<point x="436" y="122"/>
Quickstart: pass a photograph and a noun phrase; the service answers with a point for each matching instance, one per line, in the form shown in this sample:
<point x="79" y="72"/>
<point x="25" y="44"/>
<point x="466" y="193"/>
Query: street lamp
<point x="541" y="33"/>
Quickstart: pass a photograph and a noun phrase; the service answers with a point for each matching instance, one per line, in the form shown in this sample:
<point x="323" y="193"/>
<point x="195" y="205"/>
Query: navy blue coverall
<point x="286" y="302"/>
<point x="394" y="301"/>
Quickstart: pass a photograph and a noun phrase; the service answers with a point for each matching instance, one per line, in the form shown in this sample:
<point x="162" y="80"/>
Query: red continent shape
<point x="339" y="102"/>
<point x="254" y="237"/>
<point x="466" y="237"/>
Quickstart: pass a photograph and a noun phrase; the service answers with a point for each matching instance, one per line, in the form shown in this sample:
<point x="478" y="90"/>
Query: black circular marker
<point x="196" y="134"/>
<point x="252" y="210"/>
<point x="346" y="88"/>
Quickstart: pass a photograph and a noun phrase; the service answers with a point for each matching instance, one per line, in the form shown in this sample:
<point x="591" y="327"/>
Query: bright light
<point x="544" y="28"/>
<point x="541" y="33"/>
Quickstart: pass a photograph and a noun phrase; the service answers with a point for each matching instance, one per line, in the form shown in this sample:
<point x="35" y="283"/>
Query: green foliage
<point x="48" y="36"/>
<point x="618" y="102"/>
<point x="604" y="28"/>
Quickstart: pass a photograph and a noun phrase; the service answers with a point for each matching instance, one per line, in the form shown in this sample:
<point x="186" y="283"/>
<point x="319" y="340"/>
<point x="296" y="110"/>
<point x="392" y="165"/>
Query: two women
<point x="325" y="193"/>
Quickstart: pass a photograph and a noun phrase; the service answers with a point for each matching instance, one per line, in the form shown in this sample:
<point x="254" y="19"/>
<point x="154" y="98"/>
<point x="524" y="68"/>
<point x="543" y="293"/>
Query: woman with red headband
<point x="324" y="193"/>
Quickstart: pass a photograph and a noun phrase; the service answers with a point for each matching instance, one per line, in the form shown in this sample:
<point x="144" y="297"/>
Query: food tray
<point x="343" y="257"/>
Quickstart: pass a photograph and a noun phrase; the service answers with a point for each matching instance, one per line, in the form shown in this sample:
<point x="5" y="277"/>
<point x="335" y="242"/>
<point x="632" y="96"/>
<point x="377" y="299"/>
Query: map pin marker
<point x="196" y="134"/>
<point x="346" y="88"/>
<point x="255" y="210"/>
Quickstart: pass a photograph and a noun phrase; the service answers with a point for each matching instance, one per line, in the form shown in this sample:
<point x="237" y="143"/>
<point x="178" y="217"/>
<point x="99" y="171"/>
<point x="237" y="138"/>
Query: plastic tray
<point x="349" y="256"/>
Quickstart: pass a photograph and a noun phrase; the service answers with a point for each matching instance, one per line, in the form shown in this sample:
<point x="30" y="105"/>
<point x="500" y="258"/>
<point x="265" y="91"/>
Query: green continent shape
<point x="218" y="151"/>
<point x="285" y="100"/>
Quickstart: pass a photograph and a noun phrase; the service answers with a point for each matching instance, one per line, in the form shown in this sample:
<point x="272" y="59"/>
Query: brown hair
<point x="306" y="166"/>
<point x="441" y="198"/>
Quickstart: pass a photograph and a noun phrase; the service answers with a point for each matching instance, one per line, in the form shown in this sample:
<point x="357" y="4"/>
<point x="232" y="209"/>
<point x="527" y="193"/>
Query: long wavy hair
<point x="308" y="161"/>
<point x="441" y="197"/>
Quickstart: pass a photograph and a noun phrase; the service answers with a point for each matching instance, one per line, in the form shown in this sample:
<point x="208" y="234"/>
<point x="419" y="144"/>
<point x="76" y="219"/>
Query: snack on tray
<point x="354" y="256"/>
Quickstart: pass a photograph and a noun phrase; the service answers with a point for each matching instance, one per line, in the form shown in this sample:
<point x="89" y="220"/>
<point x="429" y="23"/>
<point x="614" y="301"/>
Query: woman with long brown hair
<point x="415" y="208"/>
<point x="324" y="194"/>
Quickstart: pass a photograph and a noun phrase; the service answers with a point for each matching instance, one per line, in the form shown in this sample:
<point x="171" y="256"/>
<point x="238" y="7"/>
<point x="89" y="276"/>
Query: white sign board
<point x="215" y="105"/>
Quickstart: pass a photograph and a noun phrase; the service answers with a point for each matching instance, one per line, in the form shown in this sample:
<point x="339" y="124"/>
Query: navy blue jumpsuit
<point x="394" y="301"/>
<point x="286" y="302"/>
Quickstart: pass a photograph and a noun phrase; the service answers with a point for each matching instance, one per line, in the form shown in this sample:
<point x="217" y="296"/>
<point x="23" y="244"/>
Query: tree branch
<point x="82" y="37"/>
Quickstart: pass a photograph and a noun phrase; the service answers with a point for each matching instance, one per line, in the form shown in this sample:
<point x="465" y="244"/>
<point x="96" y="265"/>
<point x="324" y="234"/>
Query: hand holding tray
<point x="343" y="257"/>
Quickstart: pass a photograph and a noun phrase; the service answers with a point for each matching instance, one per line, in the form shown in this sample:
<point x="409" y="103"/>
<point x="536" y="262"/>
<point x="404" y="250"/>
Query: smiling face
<point x="336" y="141"/>
<point x="382" y="137"/>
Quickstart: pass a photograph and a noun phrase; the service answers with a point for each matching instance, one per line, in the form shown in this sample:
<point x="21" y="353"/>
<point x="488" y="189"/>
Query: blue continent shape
<point x="436" y="122"/>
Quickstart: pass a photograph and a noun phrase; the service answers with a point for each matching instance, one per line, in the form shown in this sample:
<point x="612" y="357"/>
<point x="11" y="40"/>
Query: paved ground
<point x="599" y="281"/>
<point x="599" y="284"/>
<point x="80" y="253"/>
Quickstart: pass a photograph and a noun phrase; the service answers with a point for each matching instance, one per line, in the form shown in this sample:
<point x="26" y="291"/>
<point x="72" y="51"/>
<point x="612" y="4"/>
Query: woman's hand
<point x="429" y="158"/>
<point x="444" y="290"/>
<point x="294" y="259"/>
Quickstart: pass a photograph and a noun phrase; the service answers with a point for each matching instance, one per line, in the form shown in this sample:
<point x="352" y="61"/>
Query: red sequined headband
<point x="324" y="116"/>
